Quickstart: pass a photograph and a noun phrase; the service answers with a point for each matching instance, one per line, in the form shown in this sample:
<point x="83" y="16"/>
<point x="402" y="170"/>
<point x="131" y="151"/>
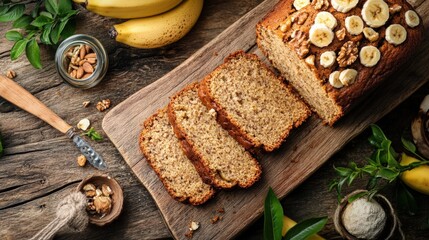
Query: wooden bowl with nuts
<point x="104" y="198"/>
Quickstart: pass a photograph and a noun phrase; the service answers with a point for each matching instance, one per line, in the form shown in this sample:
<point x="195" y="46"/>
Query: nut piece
<point x="300" y="43"/>
<point x="89" y="187"/>
<point x="84" y="124"/>
<point x="81" y="160"/>
<point x="310" y="60"/>
<point x="348" y="54"/>
<point x="395" y="9"/>
<point x="300" y="18"/>
<point x="103" y="105"/>
<point x="194" y="226"/>
<point x="284" y="27"/>
<point x="102" y="204"/>
<point x="370" y="34"/>
<point x="320" y="4"/>
<point x="86" y="103"/>
<point x="215" y="219"/>
<point x="341" y="34"/>
<point x="107" y="191"/>
<point x="10" y="74"/>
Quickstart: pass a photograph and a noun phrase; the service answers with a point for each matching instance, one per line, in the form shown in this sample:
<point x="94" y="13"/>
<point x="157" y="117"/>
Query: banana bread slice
<point x="254" y="105"/>
<point x="335" y="52"/>
<point x="164" y="154"/>
<point x="220" y="160"/>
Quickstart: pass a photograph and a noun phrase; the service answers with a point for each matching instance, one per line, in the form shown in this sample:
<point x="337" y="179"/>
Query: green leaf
<point x="4" y="9"/>
<point x="35" y="11"/>
<point x="18" y="49"/>
<point x="408" y="145"/>
<point x="306" y="228"/>
<point x="45" y="37"/>
<point x="273" y="217"/>
<point x="69" y="29"/>
<point x="378" y="133"/>
<point x="65" y="6"/>
<point x="352" y="177"/>
<point x="343" y="171"/>
<point x="388" y="174"/>
<point x="94" y="135"/>
<point x="357" y="196"/>
<point x="40" y="21"/>
<point x="46" y="14"/>
<point x="406" y="200"/>
<point x="13" y="36"/>
<point x="372" y="183"/>
<point x="52" y="6"/>
<point x="22" y="22"/>
<point x="33" y="53"/>
<point x="370" y="169"/>
<point x="13" y="13"/>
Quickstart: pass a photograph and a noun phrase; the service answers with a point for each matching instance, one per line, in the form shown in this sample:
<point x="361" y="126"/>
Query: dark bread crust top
<point x="368" y="77"/>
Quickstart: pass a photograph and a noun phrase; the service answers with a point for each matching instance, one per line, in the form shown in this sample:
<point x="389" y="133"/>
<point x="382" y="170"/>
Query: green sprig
<point x="47" y="23"/>
<point x="94" y="135"/>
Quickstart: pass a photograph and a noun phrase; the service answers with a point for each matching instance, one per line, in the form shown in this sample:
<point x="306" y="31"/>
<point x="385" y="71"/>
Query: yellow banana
<point x="159" y="30"/>
<point x="128" y="8"/>
<point x="416" y="178"/>
<point x="289" y="223"/>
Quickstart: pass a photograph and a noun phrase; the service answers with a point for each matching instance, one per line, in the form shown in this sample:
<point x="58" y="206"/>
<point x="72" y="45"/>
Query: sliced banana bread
<point x="334" y="52"/>
<point x="255" y="106"/>
<point x="164" y="154"/>
<point x="220" y="160"/>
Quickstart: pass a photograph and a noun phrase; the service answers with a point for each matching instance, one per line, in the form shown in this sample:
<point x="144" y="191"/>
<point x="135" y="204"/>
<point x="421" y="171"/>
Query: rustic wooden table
<point x="39" y="166"/>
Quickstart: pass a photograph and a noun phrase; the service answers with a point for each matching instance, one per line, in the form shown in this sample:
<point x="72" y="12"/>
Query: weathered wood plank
<point x="305" y="151"/>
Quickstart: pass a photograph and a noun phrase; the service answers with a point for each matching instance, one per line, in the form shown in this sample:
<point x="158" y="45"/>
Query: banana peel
<point x="416" y="178"/>
<point x="289" y="223"/>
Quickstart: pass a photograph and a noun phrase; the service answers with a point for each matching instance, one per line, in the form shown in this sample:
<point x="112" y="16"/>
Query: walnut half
<point x="300" y="43"/>
<point x="348" y="54"/>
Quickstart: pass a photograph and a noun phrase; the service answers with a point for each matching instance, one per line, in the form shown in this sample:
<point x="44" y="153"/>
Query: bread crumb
<point x="221" y="210"/>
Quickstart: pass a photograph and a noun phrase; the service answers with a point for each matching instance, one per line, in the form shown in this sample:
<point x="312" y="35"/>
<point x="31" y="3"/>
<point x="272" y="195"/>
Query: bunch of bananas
<point x="153" y="24"/>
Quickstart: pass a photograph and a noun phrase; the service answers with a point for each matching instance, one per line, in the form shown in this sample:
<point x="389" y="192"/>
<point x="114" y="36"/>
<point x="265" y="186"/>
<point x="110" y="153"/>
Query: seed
<point x="82" y="52"/>
<point x="88" y="68"/>
<point x="91" y="60"/>
<point x="91" y="55"/>
<point x="73" y="74"/>
<point x="79" y="73"/>
<point x="87" y="75"/>
<point x="87" y="49"/>
<point x="81" y="62"/>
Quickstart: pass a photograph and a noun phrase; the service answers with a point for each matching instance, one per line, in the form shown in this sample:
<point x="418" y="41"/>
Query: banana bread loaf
<point x="220" y="160"/>
<point x="164" y="154"/>
<point x="333" y="52"/>
<point x="254" y="105"/>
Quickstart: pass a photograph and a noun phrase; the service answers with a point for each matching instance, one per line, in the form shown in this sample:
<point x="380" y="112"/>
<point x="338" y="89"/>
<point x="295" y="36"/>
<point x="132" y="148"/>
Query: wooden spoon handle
<point x="20" y="97"/>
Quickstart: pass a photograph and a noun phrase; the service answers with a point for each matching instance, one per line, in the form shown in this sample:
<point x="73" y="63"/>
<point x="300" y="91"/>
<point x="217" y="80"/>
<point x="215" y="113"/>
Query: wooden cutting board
<point x="303" y="153"/>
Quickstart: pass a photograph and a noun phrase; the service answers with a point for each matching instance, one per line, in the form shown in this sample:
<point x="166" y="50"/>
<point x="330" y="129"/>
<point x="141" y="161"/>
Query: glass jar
<point x="65" y="68"/>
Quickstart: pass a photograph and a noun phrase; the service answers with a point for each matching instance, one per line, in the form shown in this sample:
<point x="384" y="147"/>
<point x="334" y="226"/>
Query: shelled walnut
<point x="348" y="54"/>
<point x="99" y="201"/>
<point x="103" y="105"/>
<point x="320" y="4"/>
<point x="300" y="43"/>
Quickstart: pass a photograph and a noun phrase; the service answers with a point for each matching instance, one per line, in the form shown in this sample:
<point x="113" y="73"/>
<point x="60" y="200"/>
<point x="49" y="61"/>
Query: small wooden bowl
<point x="117" y="197"/>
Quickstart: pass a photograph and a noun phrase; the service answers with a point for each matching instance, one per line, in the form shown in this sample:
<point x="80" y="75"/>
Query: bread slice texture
<point x="254" y="105"/>
<point x="220" y="160"/>
<point x="283" y="36"/>
<point x="164" y="154"/>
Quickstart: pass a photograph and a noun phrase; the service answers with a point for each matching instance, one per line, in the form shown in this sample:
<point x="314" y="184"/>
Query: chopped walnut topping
<point x="103" y="105"/>
<point x="10" y="74"/>
<point x="320" y="4"/>
<point x="370" y="34"/>
<point x="300" y="43"/>
<point x="395" y="9"/>
<point x="310" y="60"/>
<point x="300" y="18"/>
<point x="348" y="54"/>
<point x="284" y="27"/>
<point x="341" y="34"/>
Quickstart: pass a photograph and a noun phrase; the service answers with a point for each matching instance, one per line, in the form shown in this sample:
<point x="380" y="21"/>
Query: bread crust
<point x="368" y="77"/>
<point x="197" y="159"/>
<point x="226" y="121"/>
<point x="191" y="200"/>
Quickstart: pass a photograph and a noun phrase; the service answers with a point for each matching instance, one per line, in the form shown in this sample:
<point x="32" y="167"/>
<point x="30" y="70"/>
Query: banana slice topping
<point x="396" y="34"/>
<point x="375" y="13"/>
<point x="344" y="5"/>
<point x="412" y="19"/>
<point x="348" y="76"/>
<point x="327" y="59"/>
<point x="334" y="80"/>
<point x="369" y="56"/>
<point x="320" y="35"/>
<point x="354" y="25"/>
<point x="326" y="18"/>
<point x="298" y="4"/>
